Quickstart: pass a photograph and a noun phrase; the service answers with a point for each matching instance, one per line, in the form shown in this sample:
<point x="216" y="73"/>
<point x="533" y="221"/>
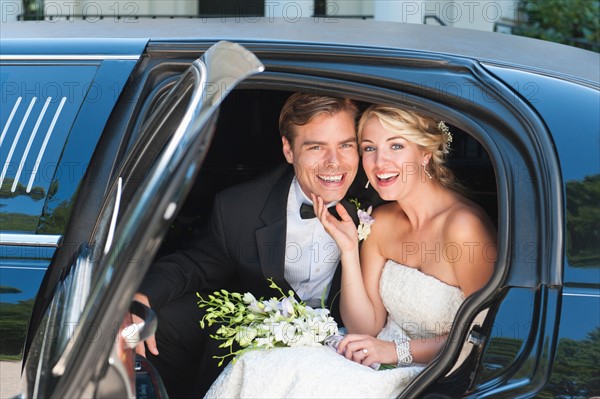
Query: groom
<point x="256" y="231"/>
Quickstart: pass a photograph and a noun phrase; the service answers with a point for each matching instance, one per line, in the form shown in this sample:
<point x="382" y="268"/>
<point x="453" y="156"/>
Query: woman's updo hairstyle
<point x="431" y="136"/>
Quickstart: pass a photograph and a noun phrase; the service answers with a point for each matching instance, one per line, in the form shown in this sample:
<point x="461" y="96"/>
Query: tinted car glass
<point x="35" y="126"/>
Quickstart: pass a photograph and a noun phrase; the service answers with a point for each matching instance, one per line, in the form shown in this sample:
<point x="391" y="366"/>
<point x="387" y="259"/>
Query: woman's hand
<point x="366" y="350"/>
<point x="343" y="231"/>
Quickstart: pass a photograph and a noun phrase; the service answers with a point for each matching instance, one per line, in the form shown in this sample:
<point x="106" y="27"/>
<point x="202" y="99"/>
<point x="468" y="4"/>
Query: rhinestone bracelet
<point x="403" y="352"/>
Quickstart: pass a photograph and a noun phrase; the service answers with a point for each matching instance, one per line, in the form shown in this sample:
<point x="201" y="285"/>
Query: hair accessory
<point x="446" y="131"/>
<point x="403" y="352"/>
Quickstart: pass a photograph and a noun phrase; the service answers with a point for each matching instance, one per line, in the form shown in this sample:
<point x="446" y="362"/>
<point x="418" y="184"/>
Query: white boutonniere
<point x="364" y="220"/>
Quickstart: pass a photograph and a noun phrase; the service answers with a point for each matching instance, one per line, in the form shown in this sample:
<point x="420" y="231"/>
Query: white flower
<point x="248" y="298"/>
<point x="284" y="333"/>
<point x="271" y="305"/>
<point x="265" y="343"/>
<point x="364" y="223"/>
<point x="305" y="338"/>
<point x="245" y="336"/>
<point x="363" y="231"/>
<point x="287" y="307"/>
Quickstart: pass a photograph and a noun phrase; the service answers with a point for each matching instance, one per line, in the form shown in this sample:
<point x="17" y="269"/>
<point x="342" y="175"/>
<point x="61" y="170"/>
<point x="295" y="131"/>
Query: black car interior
<point x="247" y="144"/>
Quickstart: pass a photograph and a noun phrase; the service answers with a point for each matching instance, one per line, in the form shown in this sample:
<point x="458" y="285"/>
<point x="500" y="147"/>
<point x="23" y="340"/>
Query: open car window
<point x="138" y="209"/>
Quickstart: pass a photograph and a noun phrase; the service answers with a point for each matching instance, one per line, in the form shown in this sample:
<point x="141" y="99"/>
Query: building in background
<point x="472" y="14"/>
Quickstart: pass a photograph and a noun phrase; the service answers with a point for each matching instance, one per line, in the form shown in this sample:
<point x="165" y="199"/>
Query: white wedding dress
<point x="418" y="305"/>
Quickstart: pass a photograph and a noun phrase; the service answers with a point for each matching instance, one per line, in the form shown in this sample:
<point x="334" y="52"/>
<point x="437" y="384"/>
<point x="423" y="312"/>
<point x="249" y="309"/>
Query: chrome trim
<point x="10" y="118"/>
<point x="29" y="143"/>
<point x="584" y="295"/>
<point x="44" y="144"/>
<point x="16" y="140"/>
<point x="34" y="240"/>
<point x="73" y="57"/>
<point x="42" y="269"/>
<point x="113" y="219"/>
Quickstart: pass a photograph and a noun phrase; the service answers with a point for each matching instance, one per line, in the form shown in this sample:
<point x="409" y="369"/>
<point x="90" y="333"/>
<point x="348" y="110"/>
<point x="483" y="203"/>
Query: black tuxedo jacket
<point x="243" y="245"/>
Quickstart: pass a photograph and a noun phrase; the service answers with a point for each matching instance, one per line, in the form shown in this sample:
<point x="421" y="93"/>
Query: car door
<point x="569" y="297"/>
<point x="83" y="346"/>
<point x="55" y="103"/>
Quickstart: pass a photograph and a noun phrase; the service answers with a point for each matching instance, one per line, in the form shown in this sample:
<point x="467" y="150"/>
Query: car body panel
<point x="49" y="134"/>
<point x="577" y="337"/>
<point x="487" y="46"/>
<point x="45" y="47"/>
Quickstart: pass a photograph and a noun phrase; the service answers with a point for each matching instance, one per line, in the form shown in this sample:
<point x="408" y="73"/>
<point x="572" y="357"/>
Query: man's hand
<point x="150" y="342"/>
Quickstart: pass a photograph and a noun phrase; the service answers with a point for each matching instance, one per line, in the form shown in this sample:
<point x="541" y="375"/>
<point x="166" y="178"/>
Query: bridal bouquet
<point x="262" y="324"/>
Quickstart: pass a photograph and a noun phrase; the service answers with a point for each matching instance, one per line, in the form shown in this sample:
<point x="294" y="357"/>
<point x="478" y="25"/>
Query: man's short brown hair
<point x="301" y="108"/>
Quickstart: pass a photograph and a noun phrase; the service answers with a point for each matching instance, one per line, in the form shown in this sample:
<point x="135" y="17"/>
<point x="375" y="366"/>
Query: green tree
<point x="36" y="193"/>
<point x="14" y="318"/>
<point x="583" y="221"/>
<point x="572" y="22"/>
<point x="33" y="9"/>
<point x="9" y="290"/>
<point x="575" y="373"/>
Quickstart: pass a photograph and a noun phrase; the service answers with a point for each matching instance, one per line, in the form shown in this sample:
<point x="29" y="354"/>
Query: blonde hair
<point x="420" y="130"/>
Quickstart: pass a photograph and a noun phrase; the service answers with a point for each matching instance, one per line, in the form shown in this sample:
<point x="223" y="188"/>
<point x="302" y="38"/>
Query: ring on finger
<point x="365" y="351"/>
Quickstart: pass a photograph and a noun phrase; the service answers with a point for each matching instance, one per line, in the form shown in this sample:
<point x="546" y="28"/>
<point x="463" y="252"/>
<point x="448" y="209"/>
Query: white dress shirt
<point x="311" y="254"/>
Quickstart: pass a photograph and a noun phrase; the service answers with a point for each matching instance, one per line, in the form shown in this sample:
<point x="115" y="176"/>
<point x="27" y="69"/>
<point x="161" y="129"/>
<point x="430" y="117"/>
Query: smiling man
<point x="257" y="231"/>
<point x="320" y="141"/>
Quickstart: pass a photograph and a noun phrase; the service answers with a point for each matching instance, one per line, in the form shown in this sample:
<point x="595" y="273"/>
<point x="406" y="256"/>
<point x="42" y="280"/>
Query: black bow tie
<point x="308" y="212"/>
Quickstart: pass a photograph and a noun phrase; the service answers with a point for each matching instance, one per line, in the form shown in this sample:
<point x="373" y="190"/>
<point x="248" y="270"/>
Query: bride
<point x="429" y="247"/>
